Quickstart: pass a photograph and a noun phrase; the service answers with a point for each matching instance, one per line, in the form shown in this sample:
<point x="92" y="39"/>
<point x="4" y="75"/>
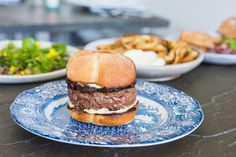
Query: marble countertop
<point x="213" y="86"/>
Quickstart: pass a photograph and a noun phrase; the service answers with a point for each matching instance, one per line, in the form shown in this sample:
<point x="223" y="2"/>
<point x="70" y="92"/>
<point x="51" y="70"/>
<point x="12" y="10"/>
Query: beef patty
<point x="85" y="97"/>
<point x="97" y="100"/>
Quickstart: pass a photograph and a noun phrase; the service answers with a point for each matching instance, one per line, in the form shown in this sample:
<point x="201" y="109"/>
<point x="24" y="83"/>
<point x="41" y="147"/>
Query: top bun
<point x="102" y="68"/>
<point x="228" y="27"/>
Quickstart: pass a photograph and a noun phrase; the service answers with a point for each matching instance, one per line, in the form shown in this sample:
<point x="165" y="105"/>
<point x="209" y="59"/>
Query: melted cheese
<point x="105" y="110"/>
<point x="91" y="85"/>
<point x="94" y="85"/>
<point x="71" y="105"/>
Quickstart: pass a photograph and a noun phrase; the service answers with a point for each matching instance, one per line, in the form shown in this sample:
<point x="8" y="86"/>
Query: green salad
<point x="31" y="58"/>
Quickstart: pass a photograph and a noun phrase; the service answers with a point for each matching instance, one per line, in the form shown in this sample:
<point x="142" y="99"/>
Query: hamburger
<point x="101" y="88"/>
<point x="228" y="28"/>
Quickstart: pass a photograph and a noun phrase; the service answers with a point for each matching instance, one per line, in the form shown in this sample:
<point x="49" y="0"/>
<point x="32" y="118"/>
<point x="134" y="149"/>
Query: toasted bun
<point x="228" y="27"/>
<point x="104" y="120"/>
<point x="101" y="68"/>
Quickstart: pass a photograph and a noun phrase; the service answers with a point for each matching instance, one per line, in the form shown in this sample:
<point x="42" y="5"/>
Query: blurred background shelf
<point x="71" y="24"/>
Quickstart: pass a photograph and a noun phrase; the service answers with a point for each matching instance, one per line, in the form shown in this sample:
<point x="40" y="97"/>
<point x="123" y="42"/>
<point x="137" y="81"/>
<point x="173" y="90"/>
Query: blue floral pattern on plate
<point x="165" y="114"/>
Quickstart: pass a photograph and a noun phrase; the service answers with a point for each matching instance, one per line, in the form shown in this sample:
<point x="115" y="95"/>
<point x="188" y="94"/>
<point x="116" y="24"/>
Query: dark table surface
<point x="213" y="86"/>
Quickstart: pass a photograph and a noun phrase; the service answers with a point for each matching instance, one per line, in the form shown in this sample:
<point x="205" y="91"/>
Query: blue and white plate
<point x="165" y="114"/>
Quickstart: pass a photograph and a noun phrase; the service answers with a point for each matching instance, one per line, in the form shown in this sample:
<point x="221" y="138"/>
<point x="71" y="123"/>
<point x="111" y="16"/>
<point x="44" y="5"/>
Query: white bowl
<point x="212" y="57"/>
<point x="154" y="73"/>
<point x="35" y="77"/>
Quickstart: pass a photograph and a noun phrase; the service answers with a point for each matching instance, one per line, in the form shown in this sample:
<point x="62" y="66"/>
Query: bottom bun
<point x="104" y="119"/>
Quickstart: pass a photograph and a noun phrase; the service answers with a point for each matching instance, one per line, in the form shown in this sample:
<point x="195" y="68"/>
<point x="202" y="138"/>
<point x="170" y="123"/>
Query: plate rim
<point x="213" y="54"/>
<point x="80" y="143"/>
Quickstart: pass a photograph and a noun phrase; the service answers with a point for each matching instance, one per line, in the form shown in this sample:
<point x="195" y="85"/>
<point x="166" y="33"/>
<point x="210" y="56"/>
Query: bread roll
<point x="104" y="120"/>
<point x="102" y="68"/>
